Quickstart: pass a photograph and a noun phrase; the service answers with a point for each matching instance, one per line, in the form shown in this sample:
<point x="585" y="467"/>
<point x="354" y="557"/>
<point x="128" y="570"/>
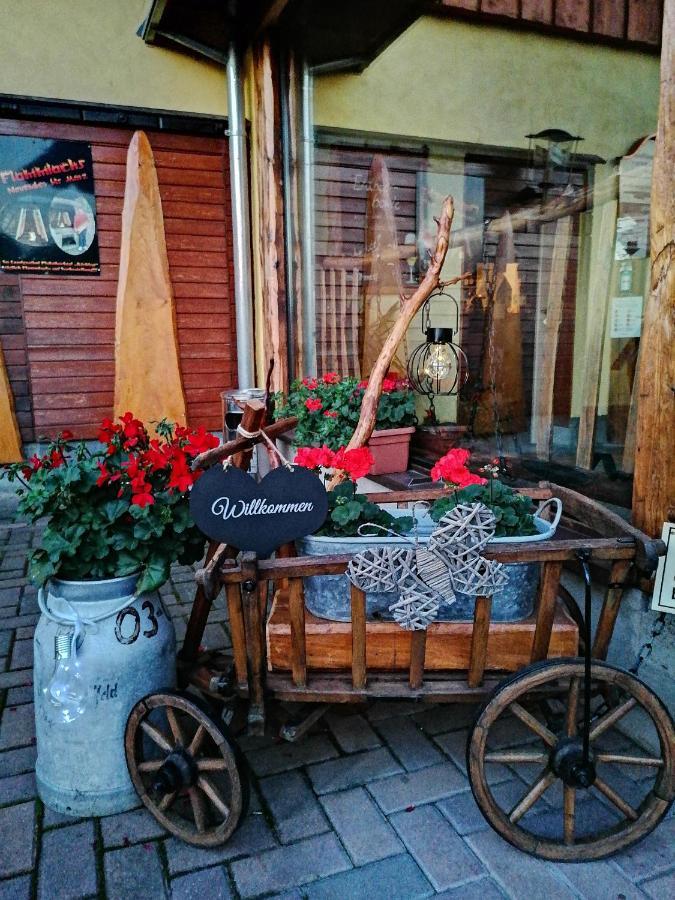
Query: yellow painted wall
<point x="454" y="81"/>
<point x="88" y="50"/>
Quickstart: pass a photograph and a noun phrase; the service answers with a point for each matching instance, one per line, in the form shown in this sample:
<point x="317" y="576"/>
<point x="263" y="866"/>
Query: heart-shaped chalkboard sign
<point x="230" y="507"/>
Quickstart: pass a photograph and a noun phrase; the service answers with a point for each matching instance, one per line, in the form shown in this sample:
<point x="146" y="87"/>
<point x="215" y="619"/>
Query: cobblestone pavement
<point x="374" y="804"/>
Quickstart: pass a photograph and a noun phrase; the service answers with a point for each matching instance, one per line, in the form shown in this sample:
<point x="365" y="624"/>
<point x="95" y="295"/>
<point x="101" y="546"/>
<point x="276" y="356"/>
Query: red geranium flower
<point x="330" y="414"/>
<point x="66" y="435"/>
<point x="310" y="383"/>
<point x="313" y="404"/>
<point x="143" y="499"/>
<point x="314" y="457"/>
<point x="452" y="469"/>
<point x="331" y="378"/>
<point x="355" y="463"/>
<point x="201" y="440"/>
<point x="56" y="459"/>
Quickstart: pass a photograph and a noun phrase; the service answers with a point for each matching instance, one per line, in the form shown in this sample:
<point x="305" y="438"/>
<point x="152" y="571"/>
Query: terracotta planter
<point x="390" y="448"/>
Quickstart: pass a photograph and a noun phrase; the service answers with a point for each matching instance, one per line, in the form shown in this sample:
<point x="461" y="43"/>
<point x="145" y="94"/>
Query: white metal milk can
<point x="98" y="650"/>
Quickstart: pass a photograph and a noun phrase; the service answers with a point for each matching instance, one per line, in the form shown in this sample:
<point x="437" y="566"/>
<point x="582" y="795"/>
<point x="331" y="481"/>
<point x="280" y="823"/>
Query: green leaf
<point x="153" y="574"/>
<point x="40" y="567"/>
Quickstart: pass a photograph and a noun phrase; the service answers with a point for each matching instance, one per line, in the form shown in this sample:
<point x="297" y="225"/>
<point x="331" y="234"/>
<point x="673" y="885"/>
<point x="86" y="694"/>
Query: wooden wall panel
<point x="58" y="334"/>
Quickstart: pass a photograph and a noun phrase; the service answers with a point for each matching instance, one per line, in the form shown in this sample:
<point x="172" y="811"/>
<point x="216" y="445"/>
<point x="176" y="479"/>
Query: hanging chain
<point x="645" y="650"/>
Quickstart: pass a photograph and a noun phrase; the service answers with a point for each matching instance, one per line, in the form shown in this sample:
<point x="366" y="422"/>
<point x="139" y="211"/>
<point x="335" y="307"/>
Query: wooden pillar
<point x="268" y="238"/>
<point x="654" y="482"/>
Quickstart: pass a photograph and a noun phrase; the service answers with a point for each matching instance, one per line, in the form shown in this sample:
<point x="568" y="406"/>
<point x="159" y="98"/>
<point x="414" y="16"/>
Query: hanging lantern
<point x="438" y="367"/>
<point x="552" y="150"/>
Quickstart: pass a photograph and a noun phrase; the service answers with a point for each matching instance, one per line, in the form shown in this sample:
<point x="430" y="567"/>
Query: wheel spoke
<point x="196" y="742"/>
<point x="157" y="736"/>
<point x="516" y="756"/>
<point x="618" y="801"/>
<point x="198" y="808"/>
<point x="542" y="784"/>
<point x="572" y="707"/>
<point x="214" y="796"/>
<point x="629" y="760"/>
<point x="569" y="797"/>
<point x="533" y="724"/>
<point x="605" y="722"/>
<point x="167" y="800"/>
<point x="174" y="725"/>
<point x="211" y="765"/>
<point x="151" y="765"/>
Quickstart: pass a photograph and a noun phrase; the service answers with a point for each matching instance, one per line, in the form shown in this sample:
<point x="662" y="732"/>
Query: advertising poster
<point x="47" y="207"/>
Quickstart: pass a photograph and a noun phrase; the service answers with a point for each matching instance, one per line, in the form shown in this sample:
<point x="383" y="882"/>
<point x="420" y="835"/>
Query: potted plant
<point x="327" y="410"/>
<point x="116" y="518"/>
<point x="516" y="520"/>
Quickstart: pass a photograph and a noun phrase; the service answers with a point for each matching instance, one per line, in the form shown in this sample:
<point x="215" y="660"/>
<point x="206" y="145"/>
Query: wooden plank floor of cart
<point x="448" y="645"/>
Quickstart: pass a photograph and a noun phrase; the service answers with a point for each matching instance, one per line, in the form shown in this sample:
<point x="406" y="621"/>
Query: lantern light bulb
<point x="439" y="361"/>
<point x="66" y="689"/>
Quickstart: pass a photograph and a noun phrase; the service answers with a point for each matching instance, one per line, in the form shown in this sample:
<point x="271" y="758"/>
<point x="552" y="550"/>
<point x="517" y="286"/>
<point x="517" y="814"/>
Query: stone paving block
<point x="384" y="709"/>
<point x="415" y="788"/>
<point x="350" y="771"/>
<point x="252" y="836"/>
<point x="661" y="888"/>
<point x="409" y="743"/>
<point x="508" y="731"/>
<point x="282" y="757"/>
<point x="16" y="696"/>
<point x="129" y="828"/>
<point x="215" y="637"/>
<point x="352" y="733"/>
<point x="650" y="857"/>
<point x="18" y="726"/>
<point x="480" y="889"/>
<point x="446" y="717"/>
<point x="365" y="833"/>
<point x="17" y="846"/>
<point x="134" y="872"/>
<point x="18" y="678"/>
<point x="436" y="847"/>
<point x="29" y="606"/>
<point x="9" y="598"/>
<point x="14" y="762"/>
<point x="27" y="631"/>
<point x="22" y="655"/>
<point x="68" y="862"/>
<point x="590" y="816"/>
<point x="12" y="622"/>
<point x="296" y="811"/>
<point x="16" y="888"/>
<point x="52" y="819"/>
<point x="290" y="866"/>
<point x="516" y="872"/>
<point x="396" y="878"/>
<point x="599" y="880"/>
<point x="5" y="641"/>
<point x="463" y="813"/>
<point x="17" y="787"/>
<point x="208" y="884"/>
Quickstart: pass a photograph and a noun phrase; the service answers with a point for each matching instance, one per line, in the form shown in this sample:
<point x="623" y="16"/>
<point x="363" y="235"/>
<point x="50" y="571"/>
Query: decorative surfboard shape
<point x="147" y="371"/>
<point x="10" y="439"/>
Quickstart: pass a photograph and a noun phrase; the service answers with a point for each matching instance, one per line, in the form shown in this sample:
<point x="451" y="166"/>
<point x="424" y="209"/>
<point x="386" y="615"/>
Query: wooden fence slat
<point x="358" y="602"/>
<point x="548" y="592"/>
<point x="479" y="640"/>
<point x="296" y="608"/>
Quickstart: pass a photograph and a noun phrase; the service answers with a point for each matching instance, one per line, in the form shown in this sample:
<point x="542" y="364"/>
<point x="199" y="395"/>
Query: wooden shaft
<point x="548" y="592"/>
<point x="479" y="640"/>
<point x="610" y="608"/>
<point x="296" y="608"/>
<point x="218" y="454"/>
<point x="255" y="645"/>
<point x="358" y="604"/>
<point x="418" y="646"/>
<point x="201" y="607"/>
<point x="237" y="631"/>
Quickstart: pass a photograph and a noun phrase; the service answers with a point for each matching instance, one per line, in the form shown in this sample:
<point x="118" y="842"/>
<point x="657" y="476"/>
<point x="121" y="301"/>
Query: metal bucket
<point x="328" y="596"/>
<point x="98" y="651"/>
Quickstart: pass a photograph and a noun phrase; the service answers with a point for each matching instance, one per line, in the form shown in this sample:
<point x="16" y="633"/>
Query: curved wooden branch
<point x="366" y="424"/>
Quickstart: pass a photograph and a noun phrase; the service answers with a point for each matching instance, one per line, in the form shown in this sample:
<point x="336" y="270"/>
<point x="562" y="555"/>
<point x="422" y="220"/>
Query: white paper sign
<point x="626" y="320"/>
<point x="663" y="598"/>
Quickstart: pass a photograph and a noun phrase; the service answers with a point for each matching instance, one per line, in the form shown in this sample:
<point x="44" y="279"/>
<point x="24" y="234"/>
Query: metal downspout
<point x="307" y="223"/>
<point x="241" y="221"/>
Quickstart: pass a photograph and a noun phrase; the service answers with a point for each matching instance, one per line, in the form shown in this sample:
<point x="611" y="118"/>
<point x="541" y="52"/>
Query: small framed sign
<point x="230" y="507"/>
<point x="663" y="598"/>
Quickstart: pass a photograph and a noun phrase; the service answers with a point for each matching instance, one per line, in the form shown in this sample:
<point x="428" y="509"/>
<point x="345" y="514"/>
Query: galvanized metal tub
<point x="328" y="596"/>
<point x="127" y="650"/>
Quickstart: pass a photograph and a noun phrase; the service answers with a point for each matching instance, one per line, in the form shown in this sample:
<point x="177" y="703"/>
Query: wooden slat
<point x="358" y="610"/>
<point x="296" y="605"/>
<point x="237" y="632"/>
<point x="418" y="644"/>
<point x="610" y="609"/>
<point x="548" y="591"/>
<point x="479" y="640"/>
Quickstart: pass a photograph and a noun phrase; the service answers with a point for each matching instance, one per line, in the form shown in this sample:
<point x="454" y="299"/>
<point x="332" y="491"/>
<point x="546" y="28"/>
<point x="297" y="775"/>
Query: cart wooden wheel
<point x="186" y="768"/>
<point x="565" y="806"/>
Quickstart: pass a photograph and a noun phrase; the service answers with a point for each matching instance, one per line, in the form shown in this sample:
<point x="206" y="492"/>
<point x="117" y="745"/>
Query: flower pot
<point x="328" y="596"/>
<point x="127" y="649"/>
<point x="390" y="448"/>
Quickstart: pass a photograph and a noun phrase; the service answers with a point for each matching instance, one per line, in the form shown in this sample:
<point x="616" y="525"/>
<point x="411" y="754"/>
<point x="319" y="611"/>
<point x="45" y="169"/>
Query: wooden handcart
<point x="549" y="715"/>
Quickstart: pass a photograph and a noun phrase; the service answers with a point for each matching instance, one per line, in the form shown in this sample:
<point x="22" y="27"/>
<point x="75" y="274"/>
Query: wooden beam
<point x="268" y="243"/>
<point x="654" y="480"/>
<point x="10" y="438"/>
